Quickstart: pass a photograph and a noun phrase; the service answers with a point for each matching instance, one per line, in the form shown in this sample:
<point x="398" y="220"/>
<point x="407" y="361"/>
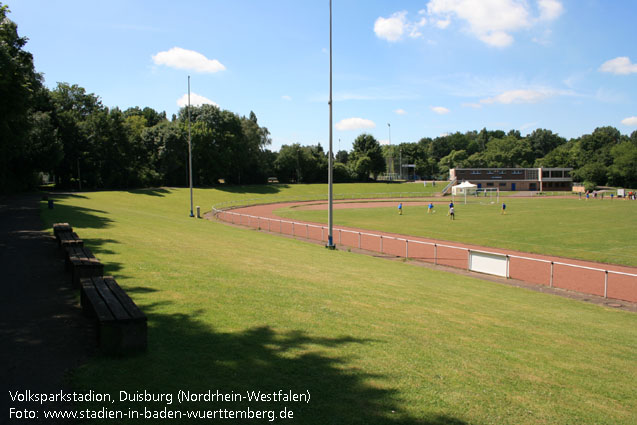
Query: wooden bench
<point x="67" y="239"/>
<point x="82" y="263"/>
<point x="60" y="228"/>
<point x="121" y="324"/>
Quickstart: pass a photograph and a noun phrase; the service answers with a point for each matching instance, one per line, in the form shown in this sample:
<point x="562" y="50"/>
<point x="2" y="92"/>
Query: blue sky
<point x="426" y="67"/>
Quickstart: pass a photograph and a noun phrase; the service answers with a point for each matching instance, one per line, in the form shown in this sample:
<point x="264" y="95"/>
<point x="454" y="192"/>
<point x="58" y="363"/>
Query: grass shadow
<point x="77" y="217"/>
<point x="161" y="192"/>
<point x="186" y="354"/>
<point x="264" y="189"/>
<point x="64" y="195"/>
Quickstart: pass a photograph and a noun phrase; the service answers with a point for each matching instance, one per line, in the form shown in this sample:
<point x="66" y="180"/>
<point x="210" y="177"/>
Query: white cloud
<point x="443" y="23"/>
<point x="519" y="96"/>
<point x="440" y="110"/>
<point x="393" y="28"/>
<point x="187" y="59"/>
<point x="354" y="124"/>
<point x="497" y="39"/>
<point x="630" y="121"/>
<point x="472" y="105"/>
<point x="620" y="66"/>
<point x="195" y="100"/>
<point x="400" y="112"/>
<point x="493" y="21"/>
<point x="286" y="97"/>
<point x="550" y="9"/>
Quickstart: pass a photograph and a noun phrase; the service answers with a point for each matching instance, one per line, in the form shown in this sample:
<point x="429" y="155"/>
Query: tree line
<point x="70" y="135"/>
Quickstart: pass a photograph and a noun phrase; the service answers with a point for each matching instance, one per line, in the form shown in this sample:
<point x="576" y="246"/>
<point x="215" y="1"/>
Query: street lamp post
<point x="330" y="239"/>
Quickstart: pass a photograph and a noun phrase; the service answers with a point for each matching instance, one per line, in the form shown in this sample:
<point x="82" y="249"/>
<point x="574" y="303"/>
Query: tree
<point x="363" y="167"/>
<point x="255" y="138"/>
<point x="593" y="172"/>
<point x="561" y="156"/>
<point x="623" y="172"/>
<point x="72" y="107"/>
<point x="342" y="157"/>
<point x="341" y="173"/>
<point x="508" y="151"/>
<point x="366" y="145"/>
<point x="301" y="164"/>
<point x="544" y="141"/>
<point x="20" y="87"/>
<point x="290" y="164"/>
<point x="453" y="160"/>
<point x="167" y="142"/>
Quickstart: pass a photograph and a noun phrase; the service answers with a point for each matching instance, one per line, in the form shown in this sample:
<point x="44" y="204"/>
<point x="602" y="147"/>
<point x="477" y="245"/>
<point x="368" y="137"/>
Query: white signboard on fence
<point x="488" y="263"/>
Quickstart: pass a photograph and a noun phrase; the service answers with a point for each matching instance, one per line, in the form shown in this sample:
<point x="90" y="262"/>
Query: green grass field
<point x="590" y="230"/>
<point x="373" y="341"/>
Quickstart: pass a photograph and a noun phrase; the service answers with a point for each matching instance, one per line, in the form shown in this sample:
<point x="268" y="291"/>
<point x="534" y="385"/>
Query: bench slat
<point x="119" y="312"/>
<point x="69" y="239"/>
<point x="99" y="306"/>
<point x="61" y="227"/>
<point x="124" y="299"/>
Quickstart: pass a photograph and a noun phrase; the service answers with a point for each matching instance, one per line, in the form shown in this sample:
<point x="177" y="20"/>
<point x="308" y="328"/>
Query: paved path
<point x="42" y="332"/>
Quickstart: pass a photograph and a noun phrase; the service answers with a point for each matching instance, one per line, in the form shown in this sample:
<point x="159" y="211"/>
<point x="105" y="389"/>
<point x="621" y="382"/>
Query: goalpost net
<point x="486" y="196"/>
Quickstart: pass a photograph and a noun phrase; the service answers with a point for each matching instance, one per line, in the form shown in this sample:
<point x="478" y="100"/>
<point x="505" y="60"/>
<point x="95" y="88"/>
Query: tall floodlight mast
<point x="189" y="150"/>
<point x="390" y="169"/>
<point x="330" y="160"/>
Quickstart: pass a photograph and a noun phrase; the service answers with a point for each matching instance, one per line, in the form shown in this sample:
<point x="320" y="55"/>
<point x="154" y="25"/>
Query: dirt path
<point x="43" y="335"/>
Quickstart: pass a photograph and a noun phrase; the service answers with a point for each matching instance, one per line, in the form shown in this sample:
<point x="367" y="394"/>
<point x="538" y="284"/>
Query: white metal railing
<point x="449" y="186"/>
<point x="436" y="260"/>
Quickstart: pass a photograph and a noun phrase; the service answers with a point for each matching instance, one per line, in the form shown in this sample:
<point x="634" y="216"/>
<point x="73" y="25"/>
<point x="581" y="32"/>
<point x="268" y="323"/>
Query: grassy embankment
<point x="374" y="341"/>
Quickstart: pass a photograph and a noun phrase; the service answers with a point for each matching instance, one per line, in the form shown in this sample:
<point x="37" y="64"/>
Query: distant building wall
<point x="531" y="179"/>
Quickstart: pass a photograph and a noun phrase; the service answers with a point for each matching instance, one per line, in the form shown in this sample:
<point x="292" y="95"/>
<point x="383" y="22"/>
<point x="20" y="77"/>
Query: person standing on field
<point x="504" y="208"/>
<point x="400" y="208"/>
<point x="452" y="213"/>
<point x="430" y="208"/>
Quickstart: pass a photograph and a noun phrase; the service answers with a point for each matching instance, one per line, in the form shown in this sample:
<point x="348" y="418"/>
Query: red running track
<point x="588" y="277"/>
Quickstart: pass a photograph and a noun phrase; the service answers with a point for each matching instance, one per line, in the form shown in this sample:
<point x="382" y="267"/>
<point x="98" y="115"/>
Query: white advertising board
<point x="488" y="263"/>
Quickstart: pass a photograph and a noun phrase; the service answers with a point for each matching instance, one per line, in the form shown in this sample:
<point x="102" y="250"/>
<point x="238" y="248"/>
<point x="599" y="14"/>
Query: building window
<point x="489" y="172"/>
<point x="503" y="184"/>
<point x="546" y="173"/>
<point x="476" y="172"/>
<point x="490" y="184"/>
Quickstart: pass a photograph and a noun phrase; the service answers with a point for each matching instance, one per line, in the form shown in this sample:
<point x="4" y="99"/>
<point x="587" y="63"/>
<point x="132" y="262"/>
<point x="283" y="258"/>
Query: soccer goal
<point x="486" y="196"/>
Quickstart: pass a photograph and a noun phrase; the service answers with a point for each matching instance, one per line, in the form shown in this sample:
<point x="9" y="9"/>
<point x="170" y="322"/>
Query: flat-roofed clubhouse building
<point x="533" y="179"/>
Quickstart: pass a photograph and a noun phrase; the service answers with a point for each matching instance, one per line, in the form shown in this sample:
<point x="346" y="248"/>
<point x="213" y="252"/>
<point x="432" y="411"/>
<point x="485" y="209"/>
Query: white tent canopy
<point x="464" y="187"/>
